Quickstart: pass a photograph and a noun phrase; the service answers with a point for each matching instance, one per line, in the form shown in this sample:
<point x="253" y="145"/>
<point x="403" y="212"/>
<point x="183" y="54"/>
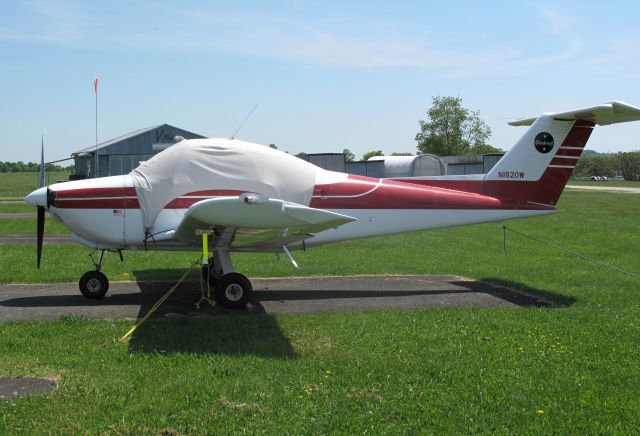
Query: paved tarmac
<point x="271" y="296"/>
<point x="621" y="189"/>
<point x="31" y="239"/>
<point x="20" y="215"/>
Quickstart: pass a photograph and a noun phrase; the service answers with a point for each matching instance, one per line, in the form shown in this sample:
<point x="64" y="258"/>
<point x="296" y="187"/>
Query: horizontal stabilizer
<point x="604" y="114"/>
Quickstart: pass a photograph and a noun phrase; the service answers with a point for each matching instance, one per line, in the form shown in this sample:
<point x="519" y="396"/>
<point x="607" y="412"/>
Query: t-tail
<point x="537" y="168"/>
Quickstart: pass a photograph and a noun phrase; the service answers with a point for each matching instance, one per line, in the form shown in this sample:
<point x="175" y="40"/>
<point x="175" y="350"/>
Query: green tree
<point x="604" y="165"/>
<point x="401" y="153"/>
<point x="450" y="129"/>
<point x="487" y="149"/>
<point x="348" y="155"/>
<point x="629" y="165"/>
<point x="273" y="146"/>
<point x="372" y="153"/>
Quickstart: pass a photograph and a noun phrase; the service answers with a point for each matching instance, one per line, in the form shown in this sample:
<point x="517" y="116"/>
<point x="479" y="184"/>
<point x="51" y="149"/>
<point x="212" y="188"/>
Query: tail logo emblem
<point x="543" y="142"/>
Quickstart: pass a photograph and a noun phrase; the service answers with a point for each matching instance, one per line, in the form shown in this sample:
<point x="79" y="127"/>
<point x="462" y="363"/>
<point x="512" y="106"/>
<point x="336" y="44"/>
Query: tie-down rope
<point x="581" y="256"/>
<point x="160" y="301"/>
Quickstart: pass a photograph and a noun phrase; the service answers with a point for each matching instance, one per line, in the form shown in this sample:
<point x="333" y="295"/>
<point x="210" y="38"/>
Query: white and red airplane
<point x="227" y="195"/>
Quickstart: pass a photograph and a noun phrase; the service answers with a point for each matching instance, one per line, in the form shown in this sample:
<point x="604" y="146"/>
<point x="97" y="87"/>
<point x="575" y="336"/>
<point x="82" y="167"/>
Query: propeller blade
<point x="40" y="235"/>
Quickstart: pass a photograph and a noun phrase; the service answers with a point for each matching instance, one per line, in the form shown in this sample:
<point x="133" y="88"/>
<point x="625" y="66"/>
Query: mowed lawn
<point x="574" y="369"/>
<point x="15" y="186"/>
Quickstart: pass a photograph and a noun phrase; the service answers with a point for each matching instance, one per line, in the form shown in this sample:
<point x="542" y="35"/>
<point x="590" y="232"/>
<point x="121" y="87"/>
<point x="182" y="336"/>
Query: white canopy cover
<point x="208" y="164"/>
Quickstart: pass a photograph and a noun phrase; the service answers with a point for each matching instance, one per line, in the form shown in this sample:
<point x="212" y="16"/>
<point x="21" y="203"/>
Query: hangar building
<point x="122" y="154"/>
<point x="422" y="165"/>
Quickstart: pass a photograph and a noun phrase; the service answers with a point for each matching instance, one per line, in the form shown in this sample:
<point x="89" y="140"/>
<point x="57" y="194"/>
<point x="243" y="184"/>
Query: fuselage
<point x="105" y="213"/>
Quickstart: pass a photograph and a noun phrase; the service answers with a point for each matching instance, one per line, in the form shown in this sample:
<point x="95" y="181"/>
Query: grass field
<point x="15" y="186"/>
<point x="27" y="226"/>
<point x="16" y="208"/>
<point x="503" y="370"/>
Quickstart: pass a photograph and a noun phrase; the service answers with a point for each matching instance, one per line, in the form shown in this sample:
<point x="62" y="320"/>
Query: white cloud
<point x="355" y="43"/>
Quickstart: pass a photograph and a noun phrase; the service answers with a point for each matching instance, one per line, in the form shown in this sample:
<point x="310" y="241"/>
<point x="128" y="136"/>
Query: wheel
<point x="233" y="290"/>
<point x="94" y="284"/>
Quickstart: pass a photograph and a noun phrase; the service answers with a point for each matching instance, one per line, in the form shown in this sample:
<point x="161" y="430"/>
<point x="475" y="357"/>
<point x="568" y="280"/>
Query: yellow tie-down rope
<point x="159" y="302"/>
<point x="204" y="259"/>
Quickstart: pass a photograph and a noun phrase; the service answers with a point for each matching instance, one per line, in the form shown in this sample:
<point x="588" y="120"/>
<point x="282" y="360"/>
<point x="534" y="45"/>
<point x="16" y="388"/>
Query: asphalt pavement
<point x="31" y="239"/>
<point x="271" y="296"/>
<point x="620" y="189"/>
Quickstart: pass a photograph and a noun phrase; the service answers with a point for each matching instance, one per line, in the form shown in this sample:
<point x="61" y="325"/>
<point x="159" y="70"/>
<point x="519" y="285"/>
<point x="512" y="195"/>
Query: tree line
<point x="625" y="164"/>
<point x="30" y="167"/>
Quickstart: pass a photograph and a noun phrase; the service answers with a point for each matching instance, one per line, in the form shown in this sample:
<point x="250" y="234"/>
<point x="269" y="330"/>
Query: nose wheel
<point x="94" y="284"/>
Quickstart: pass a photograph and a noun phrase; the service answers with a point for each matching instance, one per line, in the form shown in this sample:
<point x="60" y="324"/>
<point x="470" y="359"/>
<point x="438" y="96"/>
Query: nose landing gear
<point x="94" y="284"/>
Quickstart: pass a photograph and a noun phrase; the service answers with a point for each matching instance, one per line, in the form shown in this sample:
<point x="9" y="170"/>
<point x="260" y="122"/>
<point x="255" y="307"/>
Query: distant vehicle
<point x="227" y="195"/>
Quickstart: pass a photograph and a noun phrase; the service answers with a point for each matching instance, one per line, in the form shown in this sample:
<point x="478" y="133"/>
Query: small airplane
<point x="227" y="195"/>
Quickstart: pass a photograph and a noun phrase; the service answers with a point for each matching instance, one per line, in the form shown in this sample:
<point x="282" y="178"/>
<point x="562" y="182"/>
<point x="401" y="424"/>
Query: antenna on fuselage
<point x="243" y="121"/>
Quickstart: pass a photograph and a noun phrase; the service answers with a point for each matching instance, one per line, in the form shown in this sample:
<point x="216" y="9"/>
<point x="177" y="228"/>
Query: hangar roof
<point x="126" y="136"/>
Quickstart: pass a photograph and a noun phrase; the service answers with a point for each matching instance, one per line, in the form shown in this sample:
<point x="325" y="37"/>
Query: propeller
<point x="41" y="209"/>
<point x="40" y="234"/>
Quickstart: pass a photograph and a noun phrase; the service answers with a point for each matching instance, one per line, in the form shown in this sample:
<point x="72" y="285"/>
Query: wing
<point x="253" y="222"/>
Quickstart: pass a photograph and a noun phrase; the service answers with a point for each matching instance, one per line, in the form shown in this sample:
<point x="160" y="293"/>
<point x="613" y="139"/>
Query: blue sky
<point x="325" y="75"/>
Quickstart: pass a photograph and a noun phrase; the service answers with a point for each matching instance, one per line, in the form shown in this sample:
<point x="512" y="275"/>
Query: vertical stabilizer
<point x="549" y="151"/>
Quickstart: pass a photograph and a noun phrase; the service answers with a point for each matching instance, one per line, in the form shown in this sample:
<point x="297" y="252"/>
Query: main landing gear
<point x="230" y="289"/>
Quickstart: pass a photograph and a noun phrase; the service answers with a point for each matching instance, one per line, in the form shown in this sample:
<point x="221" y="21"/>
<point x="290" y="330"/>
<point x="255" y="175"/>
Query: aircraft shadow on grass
<point x="229" y="335"/>
<point x="179" y="327"/>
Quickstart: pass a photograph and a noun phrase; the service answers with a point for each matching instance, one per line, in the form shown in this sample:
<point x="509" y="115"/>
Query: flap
<point x="256" y="221"/>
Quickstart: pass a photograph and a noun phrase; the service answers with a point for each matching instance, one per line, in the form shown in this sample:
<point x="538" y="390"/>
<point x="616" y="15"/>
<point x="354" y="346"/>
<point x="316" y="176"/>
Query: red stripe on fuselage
<point x="95" y="193"/>
<point x="125" y="198"/>
<point x="359" y="192"/>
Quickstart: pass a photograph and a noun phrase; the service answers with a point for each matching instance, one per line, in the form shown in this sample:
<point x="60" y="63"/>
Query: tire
<point x="94" y="284"/>
<point x="233" y="290"/>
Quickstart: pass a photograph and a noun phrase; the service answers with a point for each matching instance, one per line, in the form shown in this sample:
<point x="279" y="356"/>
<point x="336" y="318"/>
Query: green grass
<point x="18" y="185"/>
<point x="16" y="208"/>
<point x="501" y="370"/>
